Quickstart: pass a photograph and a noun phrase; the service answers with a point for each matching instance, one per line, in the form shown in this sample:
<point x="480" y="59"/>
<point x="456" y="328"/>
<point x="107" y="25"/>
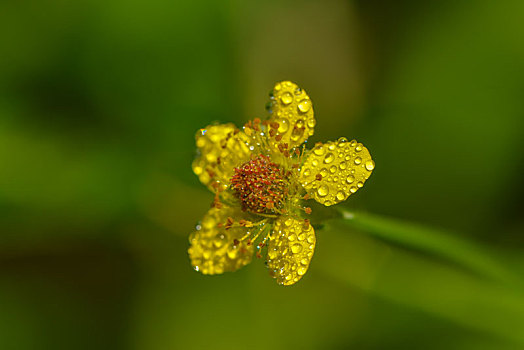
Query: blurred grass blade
<point x="408" y="278"/>
<point x="432" y="241"/>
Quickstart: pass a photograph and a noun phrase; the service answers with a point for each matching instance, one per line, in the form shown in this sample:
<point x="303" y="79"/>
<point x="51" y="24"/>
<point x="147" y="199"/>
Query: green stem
<point x="429" y="240"/>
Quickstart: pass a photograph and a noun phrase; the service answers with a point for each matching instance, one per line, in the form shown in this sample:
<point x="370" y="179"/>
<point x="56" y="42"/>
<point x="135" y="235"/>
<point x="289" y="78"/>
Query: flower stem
<point x="438" y="243"/>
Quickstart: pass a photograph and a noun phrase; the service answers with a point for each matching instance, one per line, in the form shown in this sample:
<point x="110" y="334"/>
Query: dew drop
<point x="271" y="253"/>
<point x="358" y="148"/>
<point x="303" y="262"/>
<point x="353" y="189"/>
<point x="370" y="165"/>
<point x="342" y="142"/>
<point x="323" y="191"/>
<point x="304" y="106"/>
<point x="198" y="170"/>
<point x="343" y="165"/>
<point x="311" y="122"/>
<point x="219" y="240"/>
<point x="292" y="237"/>
<point x="332" y="147"/>
<point x="311" y="239"/>
<point x="333" y="169"/>
<point x="283" y="125"/>
<point x="360" y="184"/>
<point x="296" y="248"/>
<point x="350" y="179"/>
<point x="286" y="98"/>
<point x="301" y="270"/>
<point x="307" y="172"/>
<point x="329" y="158"/>
<point x="288" y="222"/>
<point x="353" y="143"/>
<point x="358" y="160"/>
<point x="314" y="162"/>
<point x="201" y="142"/>
<point x="323" y="172"/>
<point x="319" y="151"/>
<point x="340" y="195"/>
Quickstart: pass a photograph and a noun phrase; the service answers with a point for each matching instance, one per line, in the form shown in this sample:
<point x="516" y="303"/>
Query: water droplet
<point x="340" y="195"/>
<point x="323" y="191"/>
<point x="329" y="158"/>
<point x="298" y="91"/>
<point x="327" y="203"/>
<point x="360" y="184"/>
<point x="353" y="189"/>
<point x="311" y="239"/>
<point x="323" y="172"/>
<point x="303" y="262"/>
<point x="370" y="165"/>
<point x="299" y="124"/>
<point x="286" y="98"/>
<point x="358" y="148"/>
<point x="301" y="270"/>
<point x="304" y="106"/>
<point x="307" y="172"/>
<point x="292" y="237"/>
<point x="353" y="143"/>
<point x="288" y="222"/>
<point x="271" y="253"/>
<point x="201" y="142"/>
<point x="342" y="142"/>
<point x="319" y="151"/>
<point x="311" y="122"/>
<point x="332" y="147"/>
<point x="219" y="240"/>
<point x="350" y="179"/>
<point x="343" y="165"/>
<point x="198" y="170"/>
<point x="358" y="160"/>
<point x="283" y="125"/>
<point x="348" y="157"/>
<point x="333" y="169"/>
<point x="296" y="248"/>
<point x="278" y="87"/>
<point x="314" y="162"/>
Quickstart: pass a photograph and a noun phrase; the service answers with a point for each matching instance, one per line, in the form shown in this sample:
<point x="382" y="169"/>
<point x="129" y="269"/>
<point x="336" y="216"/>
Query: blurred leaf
<point x="410" y="279"/>
<point x="447" y="246"/>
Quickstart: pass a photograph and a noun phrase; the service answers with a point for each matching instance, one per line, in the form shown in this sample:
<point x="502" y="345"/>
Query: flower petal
<point x="212" y="250"/>
<point x="335" y="170"/>
<point x="221" y="149"/>
<point x="291" y="247"/>
<point x="292" y="109"/>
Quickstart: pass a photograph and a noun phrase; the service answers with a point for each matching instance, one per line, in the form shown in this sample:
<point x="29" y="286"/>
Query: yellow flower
<point x="261" y="176"/>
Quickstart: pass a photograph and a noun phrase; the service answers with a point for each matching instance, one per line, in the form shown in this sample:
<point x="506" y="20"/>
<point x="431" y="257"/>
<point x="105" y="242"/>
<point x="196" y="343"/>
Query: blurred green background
<point x="99" y="104"/>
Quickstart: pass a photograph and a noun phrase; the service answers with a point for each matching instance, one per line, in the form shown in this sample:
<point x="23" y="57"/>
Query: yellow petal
<point x="212" y="250"/>
<point x="291" y="247"/>
<point x="221" y="148"/>
<point x="292" y="109"/>
<point x="343" y="167"/>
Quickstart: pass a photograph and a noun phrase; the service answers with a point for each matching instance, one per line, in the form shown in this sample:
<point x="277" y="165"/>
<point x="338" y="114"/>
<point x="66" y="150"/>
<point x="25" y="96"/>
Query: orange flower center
<point x="260" y="185"/>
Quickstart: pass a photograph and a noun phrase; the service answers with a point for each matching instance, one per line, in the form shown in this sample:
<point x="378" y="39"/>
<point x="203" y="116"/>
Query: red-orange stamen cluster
<point x="260" y="185"/>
